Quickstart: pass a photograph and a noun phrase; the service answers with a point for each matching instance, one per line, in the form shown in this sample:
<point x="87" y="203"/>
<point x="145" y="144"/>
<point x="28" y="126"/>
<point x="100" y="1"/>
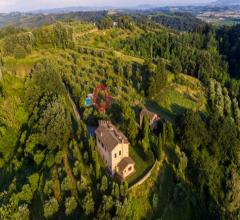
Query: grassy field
<point x="227" y="21"/>
<point x="182" y="93"/>
<point x="81" y="27"/>
<point x="128" y="58"/>
<point x="107" y="38"/>
<point x="22" y="67"/>
<point x="141" y="166"/>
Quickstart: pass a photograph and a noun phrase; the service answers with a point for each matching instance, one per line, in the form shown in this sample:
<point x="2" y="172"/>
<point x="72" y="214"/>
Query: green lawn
<point x="175" y="101"/>
<point x="184" y="93"/>
<point x="128" y="58"/>
<point x="107" y="39"/>
<point x="141" y="166"/>
<point x="164" y="113"/>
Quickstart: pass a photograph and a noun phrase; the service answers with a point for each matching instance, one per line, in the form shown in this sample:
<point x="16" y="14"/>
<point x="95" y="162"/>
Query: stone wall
<point x="142" y="180"/>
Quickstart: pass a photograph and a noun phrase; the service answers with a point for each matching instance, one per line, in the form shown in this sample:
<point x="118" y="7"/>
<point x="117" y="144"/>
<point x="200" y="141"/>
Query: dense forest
<point x="182" y="69"/>
<point x="229" y="46"/>
<point x="33" y="20"/>
<point x="180" y="21"/>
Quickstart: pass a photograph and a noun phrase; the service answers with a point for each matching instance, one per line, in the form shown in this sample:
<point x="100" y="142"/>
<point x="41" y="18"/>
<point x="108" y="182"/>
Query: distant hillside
<point x="227" y="2"/>
<point x="31" y="20"/>
<point x="70" y="9"/>
<point x="179" y="21"/>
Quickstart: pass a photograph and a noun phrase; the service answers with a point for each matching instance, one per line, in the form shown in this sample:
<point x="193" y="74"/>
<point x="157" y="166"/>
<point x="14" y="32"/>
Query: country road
<point x="91" y="129"/>
<point x="85" y="33"/>
<point x="76" y="112"/>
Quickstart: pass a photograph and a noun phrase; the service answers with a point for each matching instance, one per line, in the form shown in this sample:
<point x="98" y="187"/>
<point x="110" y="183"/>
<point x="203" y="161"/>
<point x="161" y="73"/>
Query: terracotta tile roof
<point x="124" y="163"/>
<point x="110" y="137"/>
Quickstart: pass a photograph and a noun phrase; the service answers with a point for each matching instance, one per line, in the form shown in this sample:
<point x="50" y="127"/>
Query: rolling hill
<point x="226" y="2"/>
<point x="186" y="168"/>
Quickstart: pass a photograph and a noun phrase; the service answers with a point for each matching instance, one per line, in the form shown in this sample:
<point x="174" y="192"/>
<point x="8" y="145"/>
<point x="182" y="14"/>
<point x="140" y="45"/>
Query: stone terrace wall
<point x="142" y="180"/>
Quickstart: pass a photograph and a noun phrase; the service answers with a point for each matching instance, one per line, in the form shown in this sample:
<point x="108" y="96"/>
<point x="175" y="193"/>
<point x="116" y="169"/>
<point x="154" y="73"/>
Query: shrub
<point x="70" y="205"/>
<point x="19" y="52"/>
<point x="50" y="207"/>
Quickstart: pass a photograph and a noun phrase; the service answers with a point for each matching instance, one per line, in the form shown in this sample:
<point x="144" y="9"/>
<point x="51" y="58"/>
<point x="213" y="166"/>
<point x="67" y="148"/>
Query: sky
<point x="28" y="5"/>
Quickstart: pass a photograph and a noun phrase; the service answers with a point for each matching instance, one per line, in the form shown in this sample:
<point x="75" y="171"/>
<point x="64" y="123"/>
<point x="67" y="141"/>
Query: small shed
<point x="152" y="117"/>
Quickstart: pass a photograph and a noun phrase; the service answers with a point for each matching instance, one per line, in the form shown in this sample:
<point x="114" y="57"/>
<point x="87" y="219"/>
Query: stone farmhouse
<point x="113" y="146"/>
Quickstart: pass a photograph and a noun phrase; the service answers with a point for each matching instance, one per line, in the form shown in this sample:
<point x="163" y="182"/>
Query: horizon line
<point x="149" y="6"/>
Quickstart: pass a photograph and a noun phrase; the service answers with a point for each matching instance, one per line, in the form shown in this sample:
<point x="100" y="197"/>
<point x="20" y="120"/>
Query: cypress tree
<point x="104" y="184"/>
<point x="164" y="134"/>
<point x="169" y="133"/>
<point x="145" y="140"/>
<point x="159" y="147"/>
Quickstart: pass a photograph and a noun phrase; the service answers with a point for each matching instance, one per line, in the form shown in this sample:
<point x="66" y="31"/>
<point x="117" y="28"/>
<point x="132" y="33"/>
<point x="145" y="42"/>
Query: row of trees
<point x="156" y="77"/>
<point x="211" y="145"/>
<point x="229" y="47"/>
<point x="222" y="103"/>
<point x="192" y="53"/>
<point x="10" y="30"/>
<point x="180" y="21"/>
<point x="20" y="44"/>
<point x="124" y="22"/>
<point x="58" y="35"/>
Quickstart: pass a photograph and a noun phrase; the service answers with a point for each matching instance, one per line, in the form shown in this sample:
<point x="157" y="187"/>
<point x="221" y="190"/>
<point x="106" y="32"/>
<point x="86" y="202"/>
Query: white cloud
<point x="6" y="4"/>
